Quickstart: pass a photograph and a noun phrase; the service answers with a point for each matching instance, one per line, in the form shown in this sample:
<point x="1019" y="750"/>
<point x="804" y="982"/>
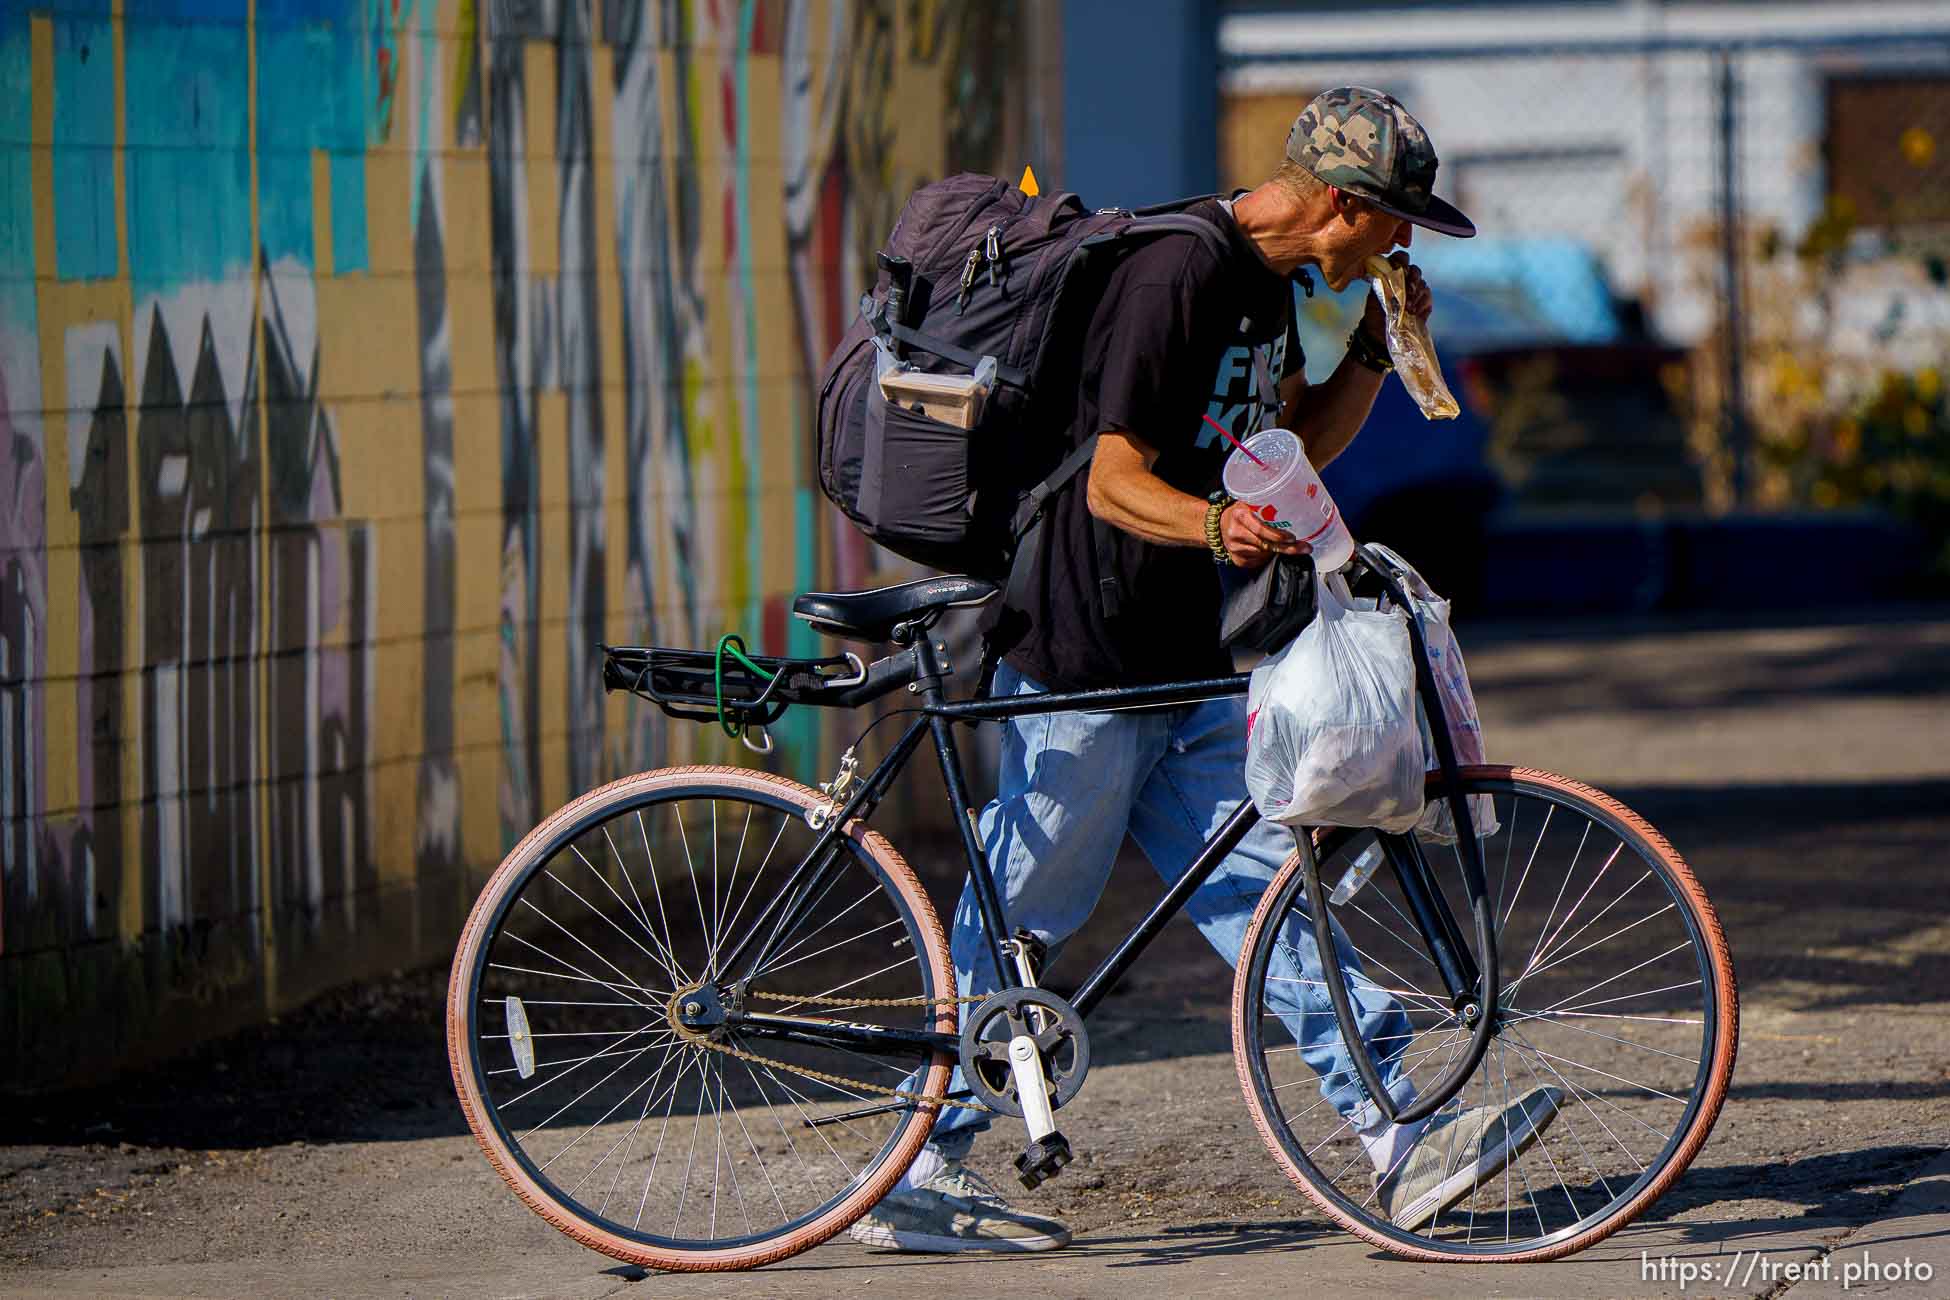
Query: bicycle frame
<point x="937" y="715"/>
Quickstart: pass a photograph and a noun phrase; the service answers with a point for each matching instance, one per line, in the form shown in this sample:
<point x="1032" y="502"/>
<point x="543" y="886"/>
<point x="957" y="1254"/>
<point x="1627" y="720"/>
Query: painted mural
<point x="362" y="364"/>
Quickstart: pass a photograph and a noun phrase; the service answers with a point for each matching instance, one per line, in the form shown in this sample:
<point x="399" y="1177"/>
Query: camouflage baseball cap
<point x="1366" y="143"/>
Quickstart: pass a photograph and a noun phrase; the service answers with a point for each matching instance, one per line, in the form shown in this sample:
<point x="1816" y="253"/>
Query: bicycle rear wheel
<point x="635" y="1138"/>
<point x="1614" y="1044"/>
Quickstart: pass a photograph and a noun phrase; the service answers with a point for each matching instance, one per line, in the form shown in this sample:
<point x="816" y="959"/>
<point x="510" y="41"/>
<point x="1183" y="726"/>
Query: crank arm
<point x="1026" y="1064"/>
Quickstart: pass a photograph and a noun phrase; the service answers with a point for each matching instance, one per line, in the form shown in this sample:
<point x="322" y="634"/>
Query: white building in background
<point x="1602" y="121"/>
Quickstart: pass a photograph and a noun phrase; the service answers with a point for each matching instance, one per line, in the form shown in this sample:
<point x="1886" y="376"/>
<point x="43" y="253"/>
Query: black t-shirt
<point x="1179" y="333"/>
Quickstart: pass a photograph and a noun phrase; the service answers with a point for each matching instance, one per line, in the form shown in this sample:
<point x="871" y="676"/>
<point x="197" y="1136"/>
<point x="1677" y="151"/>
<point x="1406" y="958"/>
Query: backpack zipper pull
<point x="968" y="270"/>
<point x="992" y="249"/>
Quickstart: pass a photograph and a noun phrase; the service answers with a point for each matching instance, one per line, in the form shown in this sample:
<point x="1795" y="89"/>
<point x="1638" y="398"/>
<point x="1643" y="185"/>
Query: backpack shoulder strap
<point x="1027" y="530"/>
<point x="1174" y="223"/>
<point x="1175" y="205"/>
<point x="1031" y="508"/>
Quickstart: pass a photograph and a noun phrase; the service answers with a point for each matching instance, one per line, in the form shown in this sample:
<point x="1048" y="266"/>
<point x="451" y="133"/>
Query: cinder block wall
<point x="361" y="366"/>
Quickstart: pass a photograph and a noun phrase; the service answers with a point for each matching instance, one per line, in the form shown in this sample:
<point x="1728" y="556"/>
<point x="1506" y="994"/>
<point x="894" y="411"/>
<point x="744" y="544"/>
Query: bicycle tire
<point x="1718" y="1035"/>
<point x="546" y="843"/>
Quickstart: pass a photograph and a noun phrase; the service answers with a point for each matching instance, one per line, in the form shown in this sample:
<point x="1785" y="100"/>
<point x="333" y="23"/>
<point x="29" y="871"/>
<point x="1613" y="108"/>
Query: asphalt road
<point x="1804" y="771"/>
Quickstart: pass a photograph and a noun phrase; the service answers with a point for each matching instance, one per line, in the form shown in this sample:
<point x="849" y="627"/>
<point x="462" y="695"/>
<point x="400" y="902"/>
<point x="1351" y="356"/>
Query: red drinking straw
<point x="1227" y="435"/>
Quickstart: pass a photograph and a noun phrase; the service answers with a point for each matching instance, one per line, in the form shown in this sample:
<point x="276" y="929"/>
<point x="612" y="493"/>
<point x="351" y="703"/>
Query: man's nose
<point x="1406" y="235"/>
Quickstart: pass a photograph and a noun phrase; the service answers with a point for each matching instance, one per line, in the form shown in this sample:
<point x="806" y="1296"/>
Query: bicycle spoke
<point x="657" y="889"/>
<point x="731" y="926"/>
<point x="1613" y="1038"/>
<point x="711" y="931"/>
<point x="663" y="1131"/>
<point x="1607" y="939"/>
<point x="1562" y="885"/>
<point x="1588" y="1095"/>
<point x="591" y="951"/>
<point x="1678" y="947"/>
<point x="650" y="1098"/>
<point x="864" y="934"/>
<point x="827" y="993"/>
<point x="718" y="921"/>
<point x="642" y="913"/>
<point x="758" y="1159"/>
<point x="612" y="985"/>
<point x="661" y="957"/>
<point x="690" y="865"/>
<point x="557" y="975"/>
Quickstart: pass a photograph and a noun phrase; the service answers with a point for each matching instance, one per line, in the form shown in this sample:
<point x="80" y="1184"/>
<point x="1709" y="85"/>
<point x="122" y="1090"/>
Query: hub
<point x="698" y="1007"/>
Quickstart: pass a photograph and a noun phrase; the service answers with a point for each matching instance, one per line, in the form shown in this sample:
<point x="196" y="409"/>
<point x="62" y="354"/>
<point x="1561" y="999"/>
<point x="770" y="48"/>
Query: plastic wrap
<point x="1409" y="344"/>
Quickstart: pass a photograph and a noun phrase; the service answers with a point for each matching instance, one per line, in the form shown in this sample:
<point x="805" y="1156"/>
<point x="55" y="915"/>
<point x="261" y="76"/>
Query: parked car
<point x="1561" y="395"/>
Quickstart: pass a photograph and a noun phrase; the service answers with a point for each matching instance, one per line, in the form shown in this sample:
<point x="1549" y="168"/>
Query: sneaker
<point x="955" y="1210"/>
<point x="1460" y="1152"/>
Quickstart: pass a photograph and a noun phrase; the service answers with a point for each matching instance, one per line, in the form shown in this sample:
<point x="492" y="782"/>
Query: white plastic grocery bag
<point x="1332" y="738"/>
<point x="1458" y="701"/>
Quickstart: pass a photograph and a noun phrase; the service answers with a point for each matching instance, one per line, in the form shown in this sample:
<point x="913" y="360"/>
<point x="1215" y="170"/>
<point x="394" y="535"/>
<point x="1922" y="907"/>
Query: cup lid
<point x="1280" y="451"/>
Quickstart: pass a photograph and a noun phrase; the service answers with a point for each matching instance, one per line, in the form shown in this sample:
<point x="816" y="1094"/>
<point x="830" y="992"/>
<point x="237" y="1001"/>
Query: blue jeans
<point x="1070" y="786"/>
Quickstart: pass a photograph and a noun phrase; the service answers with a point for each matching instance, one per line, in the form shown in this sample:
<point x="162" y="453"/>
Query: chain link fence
<point x="1711" y="270"/>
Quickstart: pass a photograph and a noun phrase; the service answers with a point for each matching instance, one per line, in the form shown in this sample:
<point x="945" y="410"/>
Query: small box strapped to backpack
<point x="944" y="411"/>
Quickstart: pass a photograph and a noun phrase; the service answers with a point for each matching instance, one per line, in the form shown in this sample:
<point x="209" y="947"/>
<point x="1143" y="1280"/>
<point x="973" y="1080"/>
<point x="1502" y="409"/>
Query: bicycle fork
<point x="1472" y="990"/>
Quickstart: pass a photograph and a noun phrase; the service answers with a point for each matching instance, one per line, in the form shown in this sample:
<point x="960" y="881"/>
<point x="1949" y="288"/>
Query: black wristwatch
<point x="1367" y="351"/>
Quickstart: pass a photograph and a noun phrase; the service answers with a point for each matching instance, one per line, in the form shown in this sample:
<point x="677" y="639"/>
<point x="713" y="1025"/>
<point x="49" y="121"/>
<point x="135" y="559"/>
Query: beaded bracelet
<point x="1214" y="512"/>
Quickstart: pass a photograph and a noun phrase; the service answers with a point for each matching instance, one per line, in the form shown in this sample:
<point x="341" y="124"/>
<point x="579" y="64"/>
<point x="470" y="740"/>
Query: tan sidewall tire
<point x="1726" y="1036"/>
<point x="731" y="780"/>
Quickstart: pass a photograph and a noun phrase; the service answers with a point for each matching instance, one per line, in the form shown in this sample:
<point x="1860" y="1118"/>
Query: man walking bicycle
<point x="1124" y="590"/>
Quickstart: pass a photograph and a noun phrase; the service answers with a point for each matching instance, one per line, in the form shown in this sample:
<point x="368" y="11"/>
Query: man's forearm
<point x="1123" y="492"/>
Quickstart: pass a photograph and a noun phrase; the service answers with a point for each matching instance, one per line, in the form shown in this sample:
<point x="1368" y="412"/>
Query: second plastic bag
<point x="1458" y="701"/>
<point x="1332" y="737"/>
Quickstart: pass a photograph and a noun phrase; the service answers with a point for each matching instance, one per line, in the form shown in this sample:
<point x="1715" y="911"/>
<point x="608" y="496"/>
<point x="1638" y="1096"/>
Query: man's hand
<point x="1250" y="541"/>
<point x="1375" y="321"/>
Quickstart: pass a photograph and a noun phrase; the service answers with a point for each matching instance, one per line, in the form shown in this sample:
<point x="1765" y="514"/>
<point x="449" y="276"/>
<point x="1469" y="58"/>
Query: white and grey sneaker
<point x="955" y="1210"/>
<point x="1460" y="1152"/>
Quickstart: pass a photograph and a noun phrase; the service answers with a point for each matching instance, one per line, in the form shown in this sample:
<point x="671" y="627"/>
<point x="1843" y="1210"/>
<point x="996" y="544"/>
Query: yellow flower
<point x="1918" y="146"/>
<point x="1928" y="384"/>
<point x="1916" y="420"/>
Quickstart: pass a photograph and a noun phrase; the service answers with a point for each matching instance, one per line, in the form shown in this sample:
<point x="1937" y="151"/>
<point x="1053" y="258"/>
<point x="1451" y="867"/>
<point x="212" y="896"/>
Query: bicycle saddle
<point x="873" y="615"/>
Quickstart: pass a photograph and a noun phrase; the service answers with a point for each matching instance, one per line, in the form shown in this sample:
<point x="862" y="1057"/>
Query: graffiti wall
<point x="363" y="363"/>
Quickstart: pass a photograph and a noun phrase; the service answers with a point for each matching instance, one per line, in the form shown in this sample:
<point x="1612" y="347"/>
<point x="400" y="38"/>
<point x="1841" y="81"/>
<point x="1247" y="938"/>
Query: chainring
<point x="1060" y="1040"/>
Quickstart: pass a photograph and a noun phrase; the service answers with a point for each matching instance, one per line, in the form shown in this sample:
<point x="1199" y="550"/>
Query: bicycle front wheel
<point x="642" y="1140"/>
<point x="1613" y="1044"/>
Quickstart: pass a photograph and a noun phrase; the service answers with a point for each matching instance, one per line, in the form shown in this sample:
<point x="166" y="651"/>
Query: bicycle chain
<point x="704" y="1040"/>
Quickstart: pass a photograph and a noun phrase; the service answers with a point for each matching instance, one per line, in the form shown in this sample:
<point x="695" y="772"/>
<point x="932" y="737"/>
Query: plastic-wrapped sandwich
<point x="1409" y="344"/>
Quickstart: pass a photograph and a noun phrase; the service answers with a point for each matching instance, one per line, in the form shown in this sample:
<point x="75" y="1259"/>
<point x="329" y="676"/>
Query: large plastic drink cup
<point x="1286" y="493"/>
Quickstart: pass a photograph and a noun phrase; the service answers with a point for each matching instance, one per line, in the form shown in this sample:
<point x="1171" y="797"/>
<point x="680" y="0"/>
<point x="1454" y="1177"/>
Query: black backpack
<point x="974" y="269"/>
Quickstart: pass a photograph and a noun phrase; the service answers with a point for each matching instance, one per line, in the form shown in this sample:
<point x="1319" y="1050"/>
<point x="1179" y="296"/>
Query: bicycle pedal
<point x="1042" y="1160"/>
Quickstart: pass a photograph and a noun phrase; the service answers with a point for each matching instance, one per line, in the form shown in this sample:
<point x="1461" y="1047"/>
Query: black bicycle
<point x="705" y="1017"/>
